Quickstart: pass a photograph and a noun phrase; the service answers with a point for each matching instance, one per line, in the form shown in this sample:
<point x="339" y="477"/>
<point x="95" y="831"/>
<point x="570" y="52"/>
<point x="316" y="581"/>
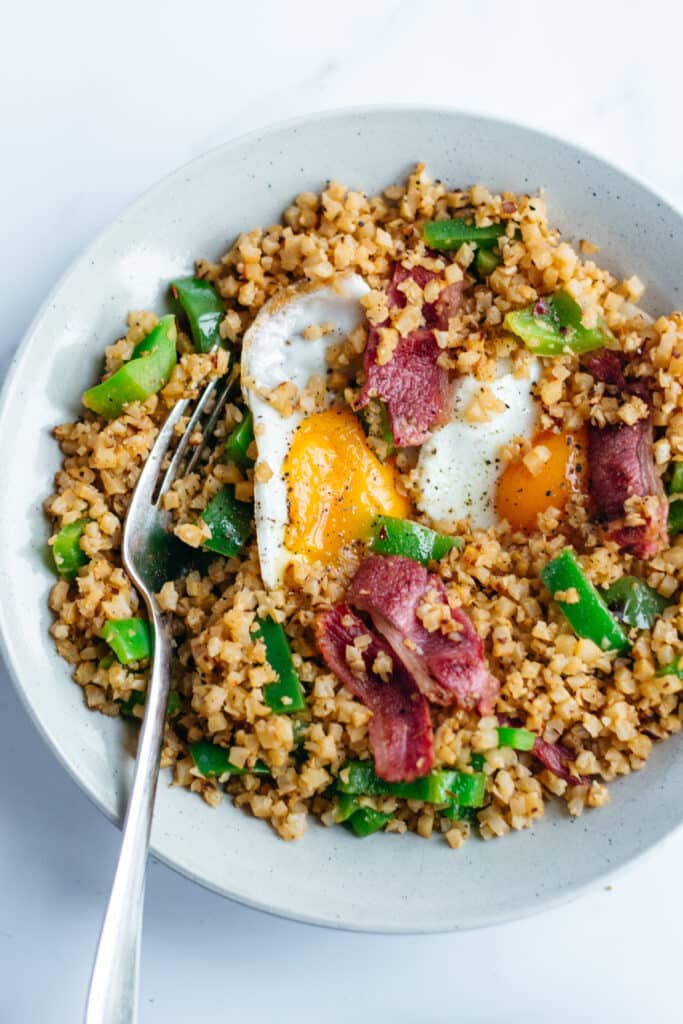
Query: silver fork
<point x="113" y="994"/>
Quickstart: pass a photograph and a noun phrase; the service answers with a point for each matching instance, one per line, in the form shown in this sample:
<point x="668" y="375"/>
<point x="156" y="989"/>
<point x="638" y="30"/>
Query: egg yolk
<point x="336" y="486"/>
<point x="522" y="496"/>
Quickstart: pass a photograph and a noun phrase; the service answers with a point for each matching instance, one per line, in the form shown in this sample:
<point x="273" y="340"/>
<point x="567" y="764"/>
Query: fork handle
<point x="113" y="994"/>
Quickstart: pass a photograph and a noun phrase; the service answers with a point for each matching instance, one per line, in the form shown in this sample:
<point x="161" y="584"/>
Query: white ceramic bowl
<point x="384" y="883"/>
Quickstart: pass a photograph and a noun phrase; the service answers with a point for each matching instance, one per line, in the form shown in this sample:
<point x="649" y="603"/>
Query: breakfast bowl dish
<point x="439" y="573"/>
<point x="423" y="579"/>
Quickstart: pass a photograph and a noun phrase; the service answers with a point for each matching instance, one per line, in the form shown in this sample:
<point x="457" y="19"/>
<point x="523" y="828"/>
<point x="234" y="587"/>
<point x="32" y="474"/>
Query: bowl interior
<point x="329" y="877"/>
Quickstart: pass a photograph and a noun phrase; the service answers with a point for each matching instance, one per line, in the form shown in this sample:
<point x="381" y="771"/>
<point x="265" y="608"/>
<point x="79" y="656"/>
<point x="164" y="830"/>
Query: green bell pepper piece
<point x="589" y="617"/>
<point x="230" y="522"/>
<point x="367" y="820"/>
<point x="469" y="789"/>
<point x="674" y="668"/>
<point x="518" y="739"/>
<point x="675" y="523"/>
<point x="634" y="602"/>
<point x="67" y="553"/>
<point x="285" y="696"/>
<point x="438" y="787"/>
<point x="456" y="812"/>
<point x="212" y="761"/>
<point x="142" y="376"/>
<point x="553" y="325"/>
<point x="139" y="697"/>
<point x="486" y="261"/>
<point x="389" y="536"/>
<point x="346" y="806"/>
<point x="239" y="439"/>
<point x="174" y="704"/>
<point x="203" y="308"/>
<point x="136" y="699"/>
<point x="129" y="639"/>
<point x="106" y="662"/>
<point x="299" y="731"/>
<point x="478" y="761"/>
<point x="386" y="433"/>
<point x="451" y="234"/>
<point x="676" y="482"/>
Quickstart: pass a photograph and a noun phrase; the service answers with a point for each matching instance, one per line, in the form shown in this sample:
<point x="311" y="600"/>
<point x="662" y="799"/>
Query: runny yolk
<point x="335" y="486"/>
<point x="521" y="496"/>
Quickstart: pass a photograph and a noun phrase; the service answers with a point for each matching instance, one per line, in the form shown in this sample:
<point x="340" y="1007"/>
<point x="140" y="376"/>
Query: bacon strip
<point x="556" y="759"/>
<point x="436" y="314"/>
<point x="400" y="729"/>
<point x="553" y="756"/>
<point x="621" y="460"/>
<point x="449" y="668"/>
<point x="412" y="384"/>
<point x="417" y="391"/>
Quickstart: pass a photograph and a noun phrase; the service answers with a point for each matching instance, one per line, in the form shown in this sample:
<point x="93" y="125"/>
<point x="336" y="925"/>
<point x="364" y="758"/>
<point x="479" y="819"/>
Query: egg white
<point x="459" y="466"/>
<point x="275" y="350"/>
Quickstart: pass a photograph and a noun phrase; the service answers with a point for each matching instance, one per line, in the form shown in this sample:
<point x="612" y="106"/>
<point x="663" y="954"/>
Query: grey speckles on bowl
<point x="385" y="883"/>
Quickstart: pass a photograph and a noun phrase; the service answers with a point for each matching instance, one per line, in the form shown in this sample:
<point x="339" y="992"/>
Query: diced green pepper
<point x="486" y="261"/>
<point x="136" y="699"/>
<point x="518" y="739"/>
<point x="129" y="639"/>
<point x="106" y="662"/>
<point x="139" y="697"/>
<point x="203" y="308"/>
<point x="386" y="433"/>
<point x="451" y="234"/>
<point x="141" y="377"/>
<point x="212" y="761"/>
<point x="366" y="820"/>
<point x="389" y="536"/>
<point x="174" y="704"/>
<point x="299" y="731"/>
<point x="230" y="522"/>
<point x="456" y="812"/>
<point x="285" y="696"/>
<point x="553" y="326"/>
<point x="674" y="668"/>
<point x="469" y="790"/>
<point x="346" y="806"/>
<point x="434" y="788"/>
<point x="478" y="761"/>
<point x="676" y="482"/>
<point x="376" y="415"/>
<point x="239" y="439"/>
<point x="634" y="602"/>
<point x="675" y="524"/>
<point x="67" y="553"/>
<point x="589" y="617"/>
<point x="358" y="778"/>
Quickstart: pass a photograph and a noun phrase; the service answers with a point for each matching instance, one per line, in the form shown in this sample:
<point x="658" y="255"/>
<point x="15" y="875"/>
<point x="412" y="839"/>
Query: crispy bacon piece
<point x="553" y="756"/>
<point x="400" y="729"/>
<point x="449" y="668"/>
<point x="415" y="388"/>
<point x="417" y="391"/>
<point x="621" y="461"/>
<point x="556" y="759"/>
<point x="436" y="314"/>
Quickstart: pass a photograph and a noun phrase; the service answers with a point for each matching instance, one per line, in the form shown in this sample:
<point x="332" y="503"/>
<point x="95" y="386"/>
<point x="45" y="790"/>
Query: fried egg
<point x="317" y="484"/>
<point x="459" y="466"/>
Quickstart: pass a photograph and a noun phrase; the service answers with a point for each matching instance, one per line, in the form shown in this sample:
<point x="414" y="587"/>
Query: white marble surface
<point x="96" y="104"/>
